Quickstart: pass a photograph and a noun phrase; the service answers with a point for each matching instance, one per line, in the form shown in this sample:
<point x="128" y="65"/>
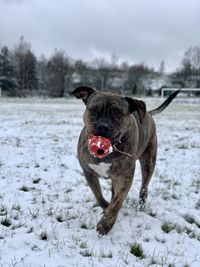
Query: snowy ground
<point x="48" y="214"/>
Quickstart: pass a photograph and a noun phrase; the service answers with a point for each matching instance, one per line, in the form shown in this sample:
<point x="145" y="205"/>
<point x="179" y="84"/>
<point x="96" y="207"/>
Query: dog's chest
<point x="102" y="169"/>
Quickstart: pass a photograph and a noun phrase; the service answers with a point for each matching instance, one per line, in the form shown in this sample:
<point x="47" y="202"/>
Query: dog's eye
<point x="116" y="112"/>
<point x="94" y="111"/>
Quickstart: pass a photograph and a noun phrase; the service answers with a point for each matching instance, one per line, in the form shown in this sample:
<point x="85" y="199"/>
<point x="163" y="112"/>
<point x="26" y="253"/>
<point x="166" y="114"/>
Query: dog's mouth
<point x="100" y="151"/>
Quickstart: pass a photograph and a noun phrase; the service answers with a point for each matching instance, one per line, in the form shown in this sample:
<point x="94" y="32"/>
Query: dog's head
<point x="107" y="114"/>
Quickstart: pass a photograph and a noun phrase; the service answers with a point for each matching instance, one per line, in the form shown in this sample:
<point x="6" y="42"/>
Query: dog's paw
<point x="104" y="226"/>
<point x="142" y="204"/>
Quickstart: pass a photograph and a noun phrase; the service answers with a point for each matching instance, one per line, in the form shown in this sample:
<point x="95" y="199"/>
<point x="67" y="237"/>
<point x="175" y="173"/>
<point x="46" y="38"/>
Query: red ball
<point x="99" y="146"/>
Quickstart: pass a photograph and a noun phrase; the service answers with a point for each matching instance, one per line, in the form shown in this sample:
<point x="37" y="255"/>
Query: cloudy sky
<point x="136" y="31"/>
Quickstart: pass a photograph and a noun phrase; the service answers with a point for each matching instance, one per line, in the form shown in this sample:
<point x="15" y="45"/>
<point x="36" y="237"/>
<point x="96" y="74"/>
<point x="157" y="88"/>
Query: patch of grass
<point x="182" y="146"/>
<point x="198" y="205"/>
<point x="36" y="180"/>
<point x="35" y="248"/>
<point x="3" y="210"/>
<point x="6" y="222"/>
<point x="49" y="212"/>
<point x="68" y="190"/>
<point x="16" y="207"/>
<point x="160" y="239"/>
<point x="59" y="218"/>
<point x="137" y="250"/>
<point x="190" y="219"/>
<point x="37" y="165"/>
<point x="104" y="254"/>
<point x="44" y="236"/>
<point x="196" y="183"/>
<point x="86" y="253"/>
<point x="152" y="213"/>
<point x="24" y="188"/>
<point x="83" y="245"/>
<point x="174" y="196"/>
<point x="107" y="255"/>
<point x="167" y="227"/>
<point x="85" y="223"/>
<point x="84" y="226"/>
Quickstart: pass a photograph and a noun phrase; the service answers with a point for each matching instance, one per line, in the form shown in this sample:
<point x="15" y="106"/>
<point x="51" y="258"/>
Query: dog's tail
<point x="164" y="104"/>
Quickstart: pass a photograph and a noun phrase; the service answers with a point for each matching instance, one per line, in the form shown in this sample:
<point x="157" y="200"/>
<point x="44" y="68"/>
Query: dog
<point x="132" y="132"/>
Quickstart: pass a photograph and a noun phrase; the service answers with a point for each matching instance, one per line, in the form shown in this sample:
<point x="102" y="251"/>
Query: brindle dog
<point x="131" y="129"/>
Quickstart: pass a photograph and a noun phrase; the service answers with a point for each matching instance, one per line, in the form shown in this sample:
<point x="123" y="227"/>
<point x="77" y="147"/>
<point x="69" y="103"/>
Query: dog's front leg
<point x="121" y="188"/>
<point x="93" y="182"/>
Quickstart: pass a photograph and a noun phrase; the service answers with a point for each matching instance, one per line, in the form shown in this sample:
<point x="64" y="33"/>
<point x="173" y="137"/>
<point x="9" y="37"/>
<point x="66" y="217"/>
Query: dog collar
<point x="122" y="152"/>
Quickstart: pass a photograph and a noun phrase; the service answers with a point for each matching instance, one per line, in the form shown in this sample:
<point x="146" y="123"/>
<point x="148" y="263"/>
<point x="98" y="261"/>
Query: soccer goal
<point x="186" y="90"/>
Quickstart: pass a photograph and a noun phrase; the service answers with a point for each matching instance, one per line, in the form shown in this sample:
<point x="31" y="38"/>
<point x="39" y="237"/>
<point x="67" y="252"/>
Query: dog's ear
<point x="137" y="105"/>
<point x="83" y="92"/>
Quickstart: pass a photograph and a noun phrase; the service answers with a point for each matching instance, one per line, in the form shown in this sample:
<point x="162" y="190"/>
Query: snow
<point x="50" y="212"/>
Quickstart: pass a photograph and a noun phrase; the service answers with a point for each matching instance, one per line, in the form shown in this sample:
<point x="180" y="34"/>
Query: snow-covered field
<point x="48" y="213"/>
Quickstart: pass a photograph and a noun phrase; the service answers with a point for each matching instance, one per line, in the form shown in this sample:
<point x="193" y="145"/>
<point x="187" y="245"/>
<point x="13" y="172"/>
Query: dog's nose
<point x="103" y="130"/>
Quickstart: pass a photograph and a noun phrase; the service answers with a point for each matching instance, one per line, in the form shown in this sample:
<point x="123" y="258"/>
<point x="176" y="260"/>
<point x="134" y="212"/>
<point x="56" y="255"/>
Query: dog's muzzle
<point x="103" y="129"/>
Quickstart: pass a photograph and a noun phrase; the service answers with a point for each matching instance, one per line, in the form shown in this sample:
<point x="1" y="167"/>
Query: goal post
<point x="182" y="90"/>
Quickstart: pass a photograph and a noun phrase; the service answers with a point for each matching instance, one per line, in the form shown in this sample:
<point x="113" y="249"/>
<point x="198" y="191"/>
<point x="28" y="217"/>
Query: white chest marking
<point x="101" y="169"/>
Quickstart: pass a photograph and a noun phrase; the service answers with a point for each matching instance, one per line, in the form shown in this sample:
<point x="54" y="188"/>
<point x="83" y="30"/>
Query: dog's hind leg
<point x="93" y="182"/>
<point x="147" y="162"/>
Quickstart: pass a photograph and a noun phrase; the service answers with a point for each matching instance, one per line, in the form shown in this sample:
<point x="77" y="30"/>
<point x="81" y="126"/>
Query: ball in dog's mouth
<point x="99" y="146"/>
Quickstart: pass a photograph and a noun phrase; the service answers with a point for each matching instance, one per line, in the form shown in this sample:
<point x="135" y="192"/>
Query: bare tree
<point x="26" y="67"/>
<point x="57" y="67"/>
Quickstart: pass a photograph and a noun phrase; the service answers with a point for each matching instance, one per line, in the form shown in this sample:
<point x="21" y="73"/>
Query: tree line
<point x="23" y="74"/>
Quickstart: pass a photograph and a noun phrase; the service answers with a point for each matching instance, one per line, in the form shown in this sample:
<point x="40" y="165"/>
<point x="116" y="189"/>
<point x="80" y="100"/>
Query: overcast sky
<point x="137" y="31"/>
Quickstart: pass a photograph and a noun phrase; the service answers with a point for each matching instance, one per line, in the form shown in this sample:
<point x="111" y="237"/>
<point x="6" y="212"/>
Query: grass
<point x="36" y="180"/>
<point x="6" y="222"/>
<point x="86" y="253"/>
<point x="60" y="218"/>
<point x="44" y="236"/>
<point x="196" y="183"/>
<point x="83" y="245"/>
<point x="16" y="207"/>
<point x="160" y="239"/>
<point x="137" y="250"/>
<point x="182" y="146"/>
<point x="198" y="205"/>
<point x="24" y="188"/>
<point x="190" y="219"/>
<point x="3" y="210"/>
<point x="167" y="227"/>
